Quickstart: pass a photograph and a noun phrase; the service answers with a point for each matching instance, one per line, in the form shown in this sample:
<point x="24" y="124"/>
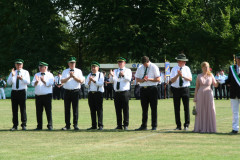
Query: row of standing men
<point x="147" y="75"/>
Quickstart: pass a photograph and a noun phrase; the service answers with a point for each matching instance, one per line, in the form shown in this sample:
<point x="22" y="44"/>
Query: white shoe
<point x="185" y="128"/>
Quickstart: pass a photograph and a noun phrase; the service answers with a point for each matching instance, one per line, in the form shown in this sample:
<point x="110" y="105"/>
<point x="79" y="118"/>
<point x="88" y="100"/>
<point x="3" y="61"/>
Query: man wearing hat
<point x="2" y="86"/>
<point x="234" y="82"/>
<point x="148" y="76"/>
<point x="19" y="79"/>
<point x="43" y="82"/>
<point x="58" y="86"/>
<point x="121" y="79"/>
<point x="72" y="79"/>
<point x="180" y="78"/>
<point x="95" y="85"/>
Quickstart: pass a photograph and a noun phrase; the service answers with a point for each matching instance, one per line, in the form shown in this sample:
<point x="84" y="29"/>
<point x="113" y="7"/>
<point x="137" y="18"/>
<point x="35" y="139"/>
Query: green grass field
<point x="165" y="143"/>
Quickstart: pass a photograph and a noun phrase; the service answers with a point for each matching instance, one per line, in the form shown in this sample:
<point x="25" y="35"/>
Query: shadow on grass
<point x="164" y="131"/>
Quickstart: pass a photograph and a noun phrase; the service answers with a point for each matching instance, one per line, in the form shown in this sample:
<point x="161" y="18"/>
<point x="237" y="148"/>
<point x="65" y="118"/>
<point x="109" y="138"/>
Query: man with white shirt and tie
<point x="180" y="78"/>
<point x="121" y="79"/>
<point x="95" y="85"/>
<point x="58" y="86"/>
<point x="72" y="79"/>
<point x="148" y="76"/>
<point x="19" y="79"/>
<point x="43" y="82"/>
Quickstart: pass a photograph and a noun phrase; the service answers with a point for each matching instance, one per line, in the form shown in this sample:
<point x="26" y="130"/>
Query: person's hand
<point x="121" y="73"/>
<point x="145" y="78"/>
<point x="13" y="72"/>
<point x="111" y="72"/>
<point x="195" y="99"/>
<point x="71" y="74"/>
<point x="179" y="73"/>
<point x="42" y="78"/>
<point x="19" y="77"/>
<point x="37" y="78"/>
<point x="90" y="78"/>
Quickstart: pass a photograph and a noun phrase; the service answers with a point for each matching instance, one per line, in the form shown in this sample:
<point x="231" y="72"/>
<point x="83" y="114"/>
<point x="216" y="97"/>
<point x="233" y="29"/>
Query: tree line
<point x="53" y="30"/>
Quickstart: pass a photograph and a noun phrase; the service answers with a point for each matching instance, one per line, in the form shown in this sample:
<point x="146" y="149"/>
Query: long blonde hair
<point x="204" y="64"/>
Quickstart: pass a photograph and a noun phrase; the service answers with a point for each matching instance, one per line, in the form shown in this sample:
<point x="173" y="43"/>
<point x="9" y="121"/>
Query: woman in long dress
<point x="205" y="120"/>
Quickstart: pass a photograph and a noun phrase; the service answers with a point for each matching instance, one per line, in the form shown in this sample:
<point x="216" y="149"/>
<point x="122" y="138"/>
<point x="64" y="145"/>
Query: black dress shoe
<point x="178" y="129"/>
<point x="100" y="128"/>
<point x="119" y="127"/>
<point x="154" y="128"/>
<point x="76" y="128"/>
<point x="24" y="128"/>
<point x="38" y="129"/>
<point x="13" y="129"/>
<point x="234" y="132"/>
<point x="92" y="128"/>
<point x="125" y="128"/>
<point x="141" y="129"/>
<point x="50" y="128"/>
<point x="66" y="128"/>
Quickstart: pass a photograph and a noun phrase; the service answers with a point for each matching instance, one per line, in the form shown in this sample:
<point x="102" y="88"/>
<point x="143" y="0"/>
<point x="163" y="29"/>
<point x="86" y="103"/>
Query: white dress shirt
<point x="124" y="81"/>
<point x="162" y="77"/>
<point x="152" y="72"/>
<point x="41" y="88"/>
<point x="22" y="83"/>
<point x="98" y="86"/>
<point x="186" y="72"/>
<point x="222" y="79"/>
<point x="58" y="80"/>
<point x="71" y="83"/>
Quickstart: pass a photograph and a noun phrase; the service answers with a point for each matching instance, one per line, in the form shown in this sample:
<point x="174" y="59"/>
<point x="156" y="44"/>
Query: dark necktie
<point x="58" y="80"/>
<point x="118" y="83"/>
<point x="17" y="82"/>
<point x="93" y="74"/>
<point x="145" y="72"/>
<point x="180" y="79"/>
<point x="42" y="74"/>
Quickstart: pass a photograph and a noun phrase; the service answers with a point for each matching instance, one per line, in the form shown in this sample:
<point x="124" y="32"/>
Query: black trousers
<point x="71" y="97"/>
<point x="58" y="92"/>
<point x="95" y="102"/>
<point x="167" y="91"/>
<point x="109" y="93"/>
<point x="228" y="91"/>
<point x="82" y="91"/>
<point x="149" y="95"/>
<point x="44" y="101"/>
<point x="18" y="97"/>
<point x="159" y="91"/>
<point x="218" y="90"/>
<point x="121" y="101"/>
<point x="178" y="94"/>
<point x="162" y="91"/>
<point x="224" y="90"/>
<point x="137" y="91"/>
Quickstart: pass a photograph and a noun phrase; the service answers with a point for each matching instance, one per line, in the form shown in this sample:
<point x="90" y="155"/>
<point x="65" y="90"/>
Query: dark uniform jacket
<point x="234" y="87"/>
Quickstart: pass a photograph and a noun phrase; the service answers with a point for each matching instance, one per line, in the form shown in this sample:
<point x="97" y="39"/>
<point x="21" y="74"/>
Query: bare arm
<point x="196" y="89"/>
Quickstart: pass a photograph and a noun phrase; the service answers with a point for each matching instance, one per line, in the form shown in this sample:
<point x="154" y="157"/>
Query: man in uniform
<point x="72" y="79"/>
<point x="43" y="82"/>
<point x="2" y="86"/>
<point x="149" y="76"/>
<point x="180" y="78"/>
<point x="234" y="82"/>
<point x="121" y="79"/>
<point x="95" y="85"/>
<point x="58" y="86"/>
<point x="19" y="79"/>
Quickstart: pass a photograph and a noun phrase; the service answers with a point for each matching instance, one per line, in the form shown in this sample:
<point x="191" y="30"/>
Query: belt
<point x="18" y="90"/>
<point x="145" y="87"/>
<point x="71" y="90"/>
<point x="94" y="92"/>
